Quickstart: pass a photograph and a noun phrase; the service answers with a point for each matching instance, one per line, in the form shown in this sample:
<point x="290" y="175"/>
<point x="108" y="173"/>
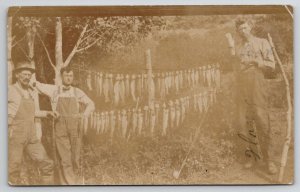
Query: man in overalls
<point x="66" y="101"/>
<point x="22" y="131"/>
<point x="256" y="58"/>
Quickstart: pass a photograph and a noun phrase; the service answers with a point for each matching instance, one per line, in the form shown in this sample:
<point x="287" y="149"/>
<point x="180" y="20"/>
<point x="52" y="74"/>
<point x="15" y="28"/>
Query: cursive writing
<point x="251" y="139"/>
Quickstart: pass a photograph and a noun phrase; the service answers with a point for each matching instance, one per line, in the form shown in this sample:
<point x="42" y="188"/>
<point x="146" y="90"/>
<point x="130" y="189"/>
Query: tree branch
<point x="74" y="50"/>
<point x="46" y="50"/>
<point x="14" y="44"/>
<point x="24" y="52"/>
<point x="89" y="45"/>
<point x="89" y="35"/>
<point x="90" y="30"/>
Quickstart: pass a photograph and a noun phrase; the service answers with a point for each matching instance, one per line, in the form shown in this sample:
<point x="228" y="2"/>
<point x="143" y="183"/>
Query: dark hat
<point x="24" y="66"/>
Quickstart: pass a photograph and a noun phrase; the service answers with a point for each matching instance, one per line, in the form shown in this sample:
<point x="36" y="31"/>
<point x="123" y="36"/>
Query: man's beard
<point x="24" y="83"/>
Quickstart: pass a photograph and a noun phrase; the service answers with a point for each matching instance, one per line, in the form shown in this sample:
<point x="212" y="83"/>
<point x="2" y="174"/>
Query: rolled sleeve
<point x="267" y="54"/>
<point x="84" y="99"/>
<point x="13" y="102"/>
<point x="46" y="89"/>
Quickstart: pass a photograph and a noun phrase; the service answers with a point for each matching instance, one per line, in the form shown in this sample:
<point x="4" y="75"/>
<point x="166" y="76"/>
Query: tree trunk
<point x="151" y="91"/>
<point x="30" y="35"/>
<point x="10" y="66"/>
<point x="58" y="51"/>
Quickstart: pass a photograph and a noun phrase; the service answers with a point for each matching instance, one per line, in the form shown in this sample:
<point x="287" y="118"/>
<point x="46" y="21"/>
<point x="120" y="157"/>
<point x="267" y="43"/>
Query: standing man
<point x="22" y="131"/>
<point x="67" y="101"/>
<point x="256" y="59"/>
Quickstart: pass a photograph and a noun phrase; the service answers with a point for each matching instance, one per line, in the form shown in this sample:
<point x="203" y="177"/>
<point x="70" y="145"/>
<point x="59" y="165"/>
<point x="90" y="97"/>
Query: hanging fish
<point x="182" y="105"/>
<point x="117" y="91"/>
<point x="100" y="82"/>
<point x="157" y="107"/>
<point x="163" y="86"/>
<point x="112" y="119"/>
<point x="95" y="121"/>
<point x="208" y="76"/>
<point x="204" y="75"/>
<point x="139" y="86"/>
<point x="176" y="80"/>
<point x="122" y="88"/>
<point x="98" y="124"/>
<point x="132" y="87"/>
<point x="102" y="122"/>
<point x="167" y="83"/>
<point x="218" y="76"/>
<point x="165" y="120"/>
<point x="91" y="119"/>
<point x="195" y="102"/>
<point x="201" y="103"/>
<point x="89" y="81"/>
<point x="197" y="77"/>
<point x="124" y="123"/>
<point x="178" y="115"/>
<point x="85" y="126"/>
<point x="181" y="79"/>
<point x="140" y="121"/>
<point x="192" y="77"/>
<point x="157" y="84"/>
<point x="172" y="114"/>
<point x="110" y="86"/>
<point x="205" y="100"/>
<point x="119" y="120"/>
<point x="213" y="74"/>
<point x="189" y="81"/>
<point x="146" y="117"/>
<point x="106" y="88"/>
<point x="107" y="125"/>
<point x="152" y="120"/>
<point x="127" y="86"/>
<point x="134" y="120"/>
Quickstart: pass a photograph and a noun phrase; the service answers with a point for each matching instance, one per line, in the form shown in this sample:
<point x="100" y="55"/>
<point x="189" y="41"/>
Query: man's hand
<point x="257" y="63"/>
<point x="53" y="114"/>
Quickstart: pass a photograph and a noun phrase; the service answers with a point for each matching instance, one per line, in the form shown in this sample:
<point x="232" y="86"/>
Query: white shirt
<point x="14" y="100"/>
<point x="55" y="91"/>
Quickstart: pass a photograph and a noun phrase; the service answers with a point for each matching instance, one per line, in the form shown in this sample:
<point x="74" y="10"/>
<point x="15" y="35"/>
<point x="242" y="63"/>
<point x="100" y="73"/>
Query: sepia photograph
<point x="150" y="95"/>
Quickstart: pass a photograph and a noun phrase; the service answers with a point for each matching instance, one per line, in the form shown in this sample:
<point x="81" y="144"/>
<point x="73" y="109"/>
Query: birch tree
<point x="77" y="35"/>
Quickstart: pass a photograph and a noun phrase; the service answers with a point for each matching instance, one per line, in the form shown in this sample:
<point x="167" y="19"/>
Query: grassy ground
<point x="217" y="155"/>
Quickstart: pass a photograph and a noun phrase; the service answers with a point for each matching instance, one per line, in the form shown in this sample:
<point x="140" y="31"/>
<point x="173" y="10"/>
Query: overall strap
<point x="75" y="92"/>
<point x="75" y="95"/>
<point x="59" y="90"/>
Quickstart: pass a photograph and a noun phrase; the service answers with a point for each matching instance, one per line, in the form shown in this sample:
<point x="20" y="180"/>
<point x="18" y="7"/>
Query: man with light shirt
<point x="256" y="60"/>
<point x="67" y="101"/>
<point x="22" y="132"/>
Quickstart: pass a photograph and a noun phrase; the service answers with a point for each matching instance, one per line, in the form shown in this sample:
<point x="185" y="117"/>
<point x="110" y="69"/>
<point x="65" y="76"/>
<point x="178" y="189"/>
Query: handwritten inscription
<point x="253" y="149"/>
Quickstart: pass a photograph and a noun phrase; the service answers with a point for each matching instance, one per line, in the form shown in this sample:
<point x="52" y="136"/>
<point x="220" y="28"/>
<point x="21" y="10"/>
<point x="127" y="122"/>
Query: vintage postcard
<point x="150" y="95"/>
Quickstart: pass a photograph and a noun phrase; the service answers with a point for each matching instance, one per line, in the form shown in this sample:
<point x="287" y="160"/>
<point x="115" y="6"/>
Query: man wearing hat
<point x="67" y="100"/>
<point x="22" y="131"/>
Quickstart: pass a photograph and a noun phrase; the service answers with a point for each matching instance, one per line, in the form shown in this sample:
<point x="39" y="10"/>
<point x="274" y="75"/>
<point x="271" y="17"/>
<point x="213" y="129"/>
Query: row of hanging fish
<point x="121" y="88"/>
<point x="150" y="120"/>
